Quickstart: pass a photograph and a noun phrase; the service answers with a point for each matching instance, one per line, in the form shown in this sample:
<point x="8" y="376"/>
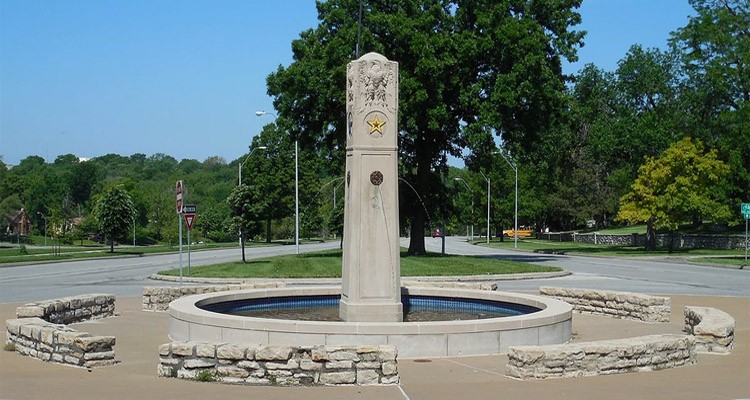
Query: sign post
<point x="745" y="208"/>
<point x="188" y="212"/>
<point x="179" y="190"/>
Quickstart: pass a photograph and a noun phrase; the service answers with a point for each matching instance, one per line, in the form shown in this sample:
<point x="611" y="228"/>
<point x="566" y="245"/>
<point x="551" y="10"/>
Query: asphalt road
<point x="119" y="276"/>
<point x="652" y="275"/>
<point x="127" y="276"/>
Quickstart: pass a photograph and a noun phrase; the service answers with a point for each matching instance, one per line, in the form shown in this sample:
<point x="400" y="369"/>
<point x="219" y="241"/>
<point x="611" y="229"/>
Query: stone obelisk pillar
<point x="371" y="276"/>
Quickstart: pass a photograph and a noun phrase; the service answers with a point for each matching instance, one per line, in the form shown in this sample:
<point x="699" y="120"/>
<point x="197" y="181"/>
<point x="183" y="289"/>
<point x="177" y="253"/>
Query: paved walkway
<point x="139" y="334"/>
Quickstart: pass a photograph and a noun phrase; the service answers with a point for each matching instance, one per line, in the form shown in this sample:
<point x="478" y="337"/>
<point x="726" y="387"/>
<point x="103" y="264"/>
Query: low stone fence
<point x="677" y="241"/>
<point x="645" y="353"/>
<point x="35" y="337"/>
<point x="555" y="236"/>
<point x="68" y="310"/>
<point x="279" y="365"/>
<point x="157" y="298"/>
<point x="623" y="305"/>
<point x="713" y="329"/>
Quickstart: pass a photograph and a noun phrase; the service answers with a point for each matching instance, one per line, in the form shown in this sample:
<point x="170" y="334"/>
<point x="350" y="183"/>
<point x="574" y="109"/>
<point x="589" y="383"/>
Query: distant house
<point x="18" y="223"/>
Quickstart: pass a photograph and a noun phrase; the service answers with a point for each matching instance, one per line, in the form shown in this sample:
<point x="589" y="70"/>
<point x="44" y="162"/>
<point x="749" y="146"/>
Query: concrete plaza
<point x="139" y="333"/>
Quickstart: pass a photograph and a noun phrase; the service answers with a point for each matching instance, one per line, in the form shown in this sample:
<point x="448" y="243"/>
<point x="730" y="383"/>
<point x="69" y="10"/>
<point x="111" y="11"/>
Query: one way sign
<point x="189" y="218"/>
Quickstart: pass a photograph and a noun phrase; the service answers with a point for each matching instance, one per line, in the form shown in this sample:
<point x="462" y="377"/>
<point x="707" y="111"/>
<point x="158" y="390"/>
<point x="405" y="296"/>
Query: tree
<point x="270" y="176"/>
<point x="715" y="52"/>
<point x="463" y="64"/>
<point x="243" y="213"/>
<point x="681" y="183"/>
<point x="114" y="213"/>
<point x="82" y="179"/>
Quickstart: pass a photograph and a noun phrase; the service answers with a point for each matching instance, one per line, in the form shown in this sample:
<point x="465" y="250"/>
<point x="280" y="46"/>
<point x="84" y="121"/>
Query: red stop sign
<point x="179" y="197"/>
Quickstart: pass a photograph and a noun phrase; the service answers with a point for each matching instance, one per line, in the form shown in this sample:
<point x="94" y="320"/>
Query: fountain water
<point x="370" y="304"/>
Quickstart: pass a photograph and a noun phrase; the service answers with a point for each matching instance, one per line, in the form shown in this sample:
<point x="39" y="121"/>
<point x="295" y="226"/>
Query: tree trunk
<point x="650" y="235"/>
<point x="242" y="245"/>
<point x="418" y="220"/>
<point x="670" y="248"/>
<point x="268" y="230"/>
<point x="416" y="235"/>
<point x="111" y="246"/>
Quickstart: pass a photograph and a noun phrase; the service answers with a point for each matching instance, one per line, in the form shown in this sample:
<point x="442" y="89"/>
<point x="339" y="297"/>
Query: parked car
<point x="437" y="233"/>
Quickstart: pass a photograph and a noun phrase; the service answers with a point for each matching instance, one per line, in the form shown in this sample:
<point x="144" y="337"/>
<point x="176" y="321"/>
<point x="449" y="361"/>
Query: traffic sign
<point x="189" y="209"/>
<point x="179" y="197"/>
<point x="189" y="219"/>
<point x="745" y="208"/>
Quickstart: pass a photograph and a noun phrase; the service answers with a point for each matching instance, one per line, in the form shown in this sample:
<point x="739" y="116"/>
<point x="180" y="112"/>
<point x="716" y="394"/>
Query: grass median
<point x="327" y="264"/>
<point x="14" y="255"/>
<point x="553" y="247"/>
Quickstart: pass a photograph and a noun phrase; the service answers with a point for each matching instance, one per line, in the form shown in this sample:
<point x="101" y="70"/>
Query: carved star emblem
<point x="376" y="125"/>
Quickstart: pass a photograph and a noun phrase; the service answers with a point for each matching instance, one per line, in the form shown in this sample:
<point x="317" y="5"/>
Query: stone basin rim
<point x="551" y="311"/>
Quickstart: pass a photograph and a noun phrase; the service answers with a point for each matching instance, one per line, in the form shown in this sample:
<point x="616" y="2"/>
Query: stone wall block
<point x="289" y="365"/>
<point x="165" y="349"/>
<point x="390" y="368"/>
<point x="30" y="312"/>
<point x="310" y="365"/>
<point x="190" y="374"/>
<point x="273" y="353"/>
<point x="319" y="353"/>
<point x="388" y="352"/>
<point x="101" y="355"/>
<point x="250" y="365"/>
<point x="232" y="372"/>
<point x="231" y="352"/>
<point x="206" y="350"/>
<point x="193" y="363"/>
<point x="711" y="329"/>
<point x="339" y="364"/>
<point x="94" y="343"/>
<point x="299" y="368"/>
<point x="606" y="357"/>
<point x="367" y="377"/>
<point x="183" y="348"/>
<point x="344" y="355"/>
<point x="338" y="378"/>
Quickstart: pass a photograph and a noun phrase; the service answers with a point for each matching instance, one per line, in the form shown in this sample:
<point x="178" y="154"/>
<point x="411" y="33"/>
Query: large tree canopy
<point x="114" y="213"/>
<point x="466" y="67"/>
<point x="683" y="182"/>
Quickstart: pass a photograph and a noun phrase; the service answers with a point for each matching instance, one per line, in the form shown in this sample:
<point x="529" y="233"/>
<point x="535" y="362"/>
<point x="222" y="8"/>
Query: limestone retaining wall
<point x="623" y="305"/>
<point x="68" y="310"/>
<point x="279" y="365"/>
<point x="35" y="337"/>
<point x="677" y="241"/>
<point x="713" y="329"/>
<point x="645" y="353"/>
<point x="157" y="298"/>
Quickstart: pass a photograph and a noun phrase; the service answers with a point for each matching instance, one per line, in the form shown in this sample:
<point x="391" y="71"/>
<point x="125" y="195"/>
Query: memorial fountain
<point x="370" y="300"/>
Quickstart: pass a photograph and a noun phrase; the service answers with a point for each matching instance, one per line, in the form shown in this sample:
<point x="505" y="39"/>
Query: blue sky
<point x="184" y="78"/>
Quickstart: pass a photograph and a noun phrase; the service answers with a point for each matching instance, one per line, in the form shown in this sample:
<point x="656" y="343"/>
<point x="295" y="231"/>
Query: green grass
<point x="327" y="264"/>
<point x="13" y="254"/>
<point x="624" y="230"/>
<point x="734" y="261"/>
<point x="552" y="247"/>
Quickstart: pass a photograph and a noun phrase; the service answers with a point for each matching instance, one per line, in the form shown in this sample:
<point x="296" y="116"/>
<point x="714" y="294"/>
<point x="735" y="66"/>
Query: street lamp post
<point x="45" y="226"/>
<point x="515" y="215"/>
<point x="239" y="177"/>
<point x="472" y="205"/>
<point x="488" y="205"/>
<point x="296" y="183"/>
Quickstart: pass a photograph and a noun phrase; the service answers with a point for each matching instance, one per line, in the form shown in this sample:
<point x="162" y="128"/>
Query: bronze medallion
<point x="376" y="178"/>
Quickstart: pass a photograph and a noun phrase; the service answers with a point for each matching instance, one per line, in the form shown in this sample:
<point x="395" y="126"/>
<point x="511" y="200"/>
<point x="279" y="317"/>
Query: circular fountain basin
<point x="552" y="324"/>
